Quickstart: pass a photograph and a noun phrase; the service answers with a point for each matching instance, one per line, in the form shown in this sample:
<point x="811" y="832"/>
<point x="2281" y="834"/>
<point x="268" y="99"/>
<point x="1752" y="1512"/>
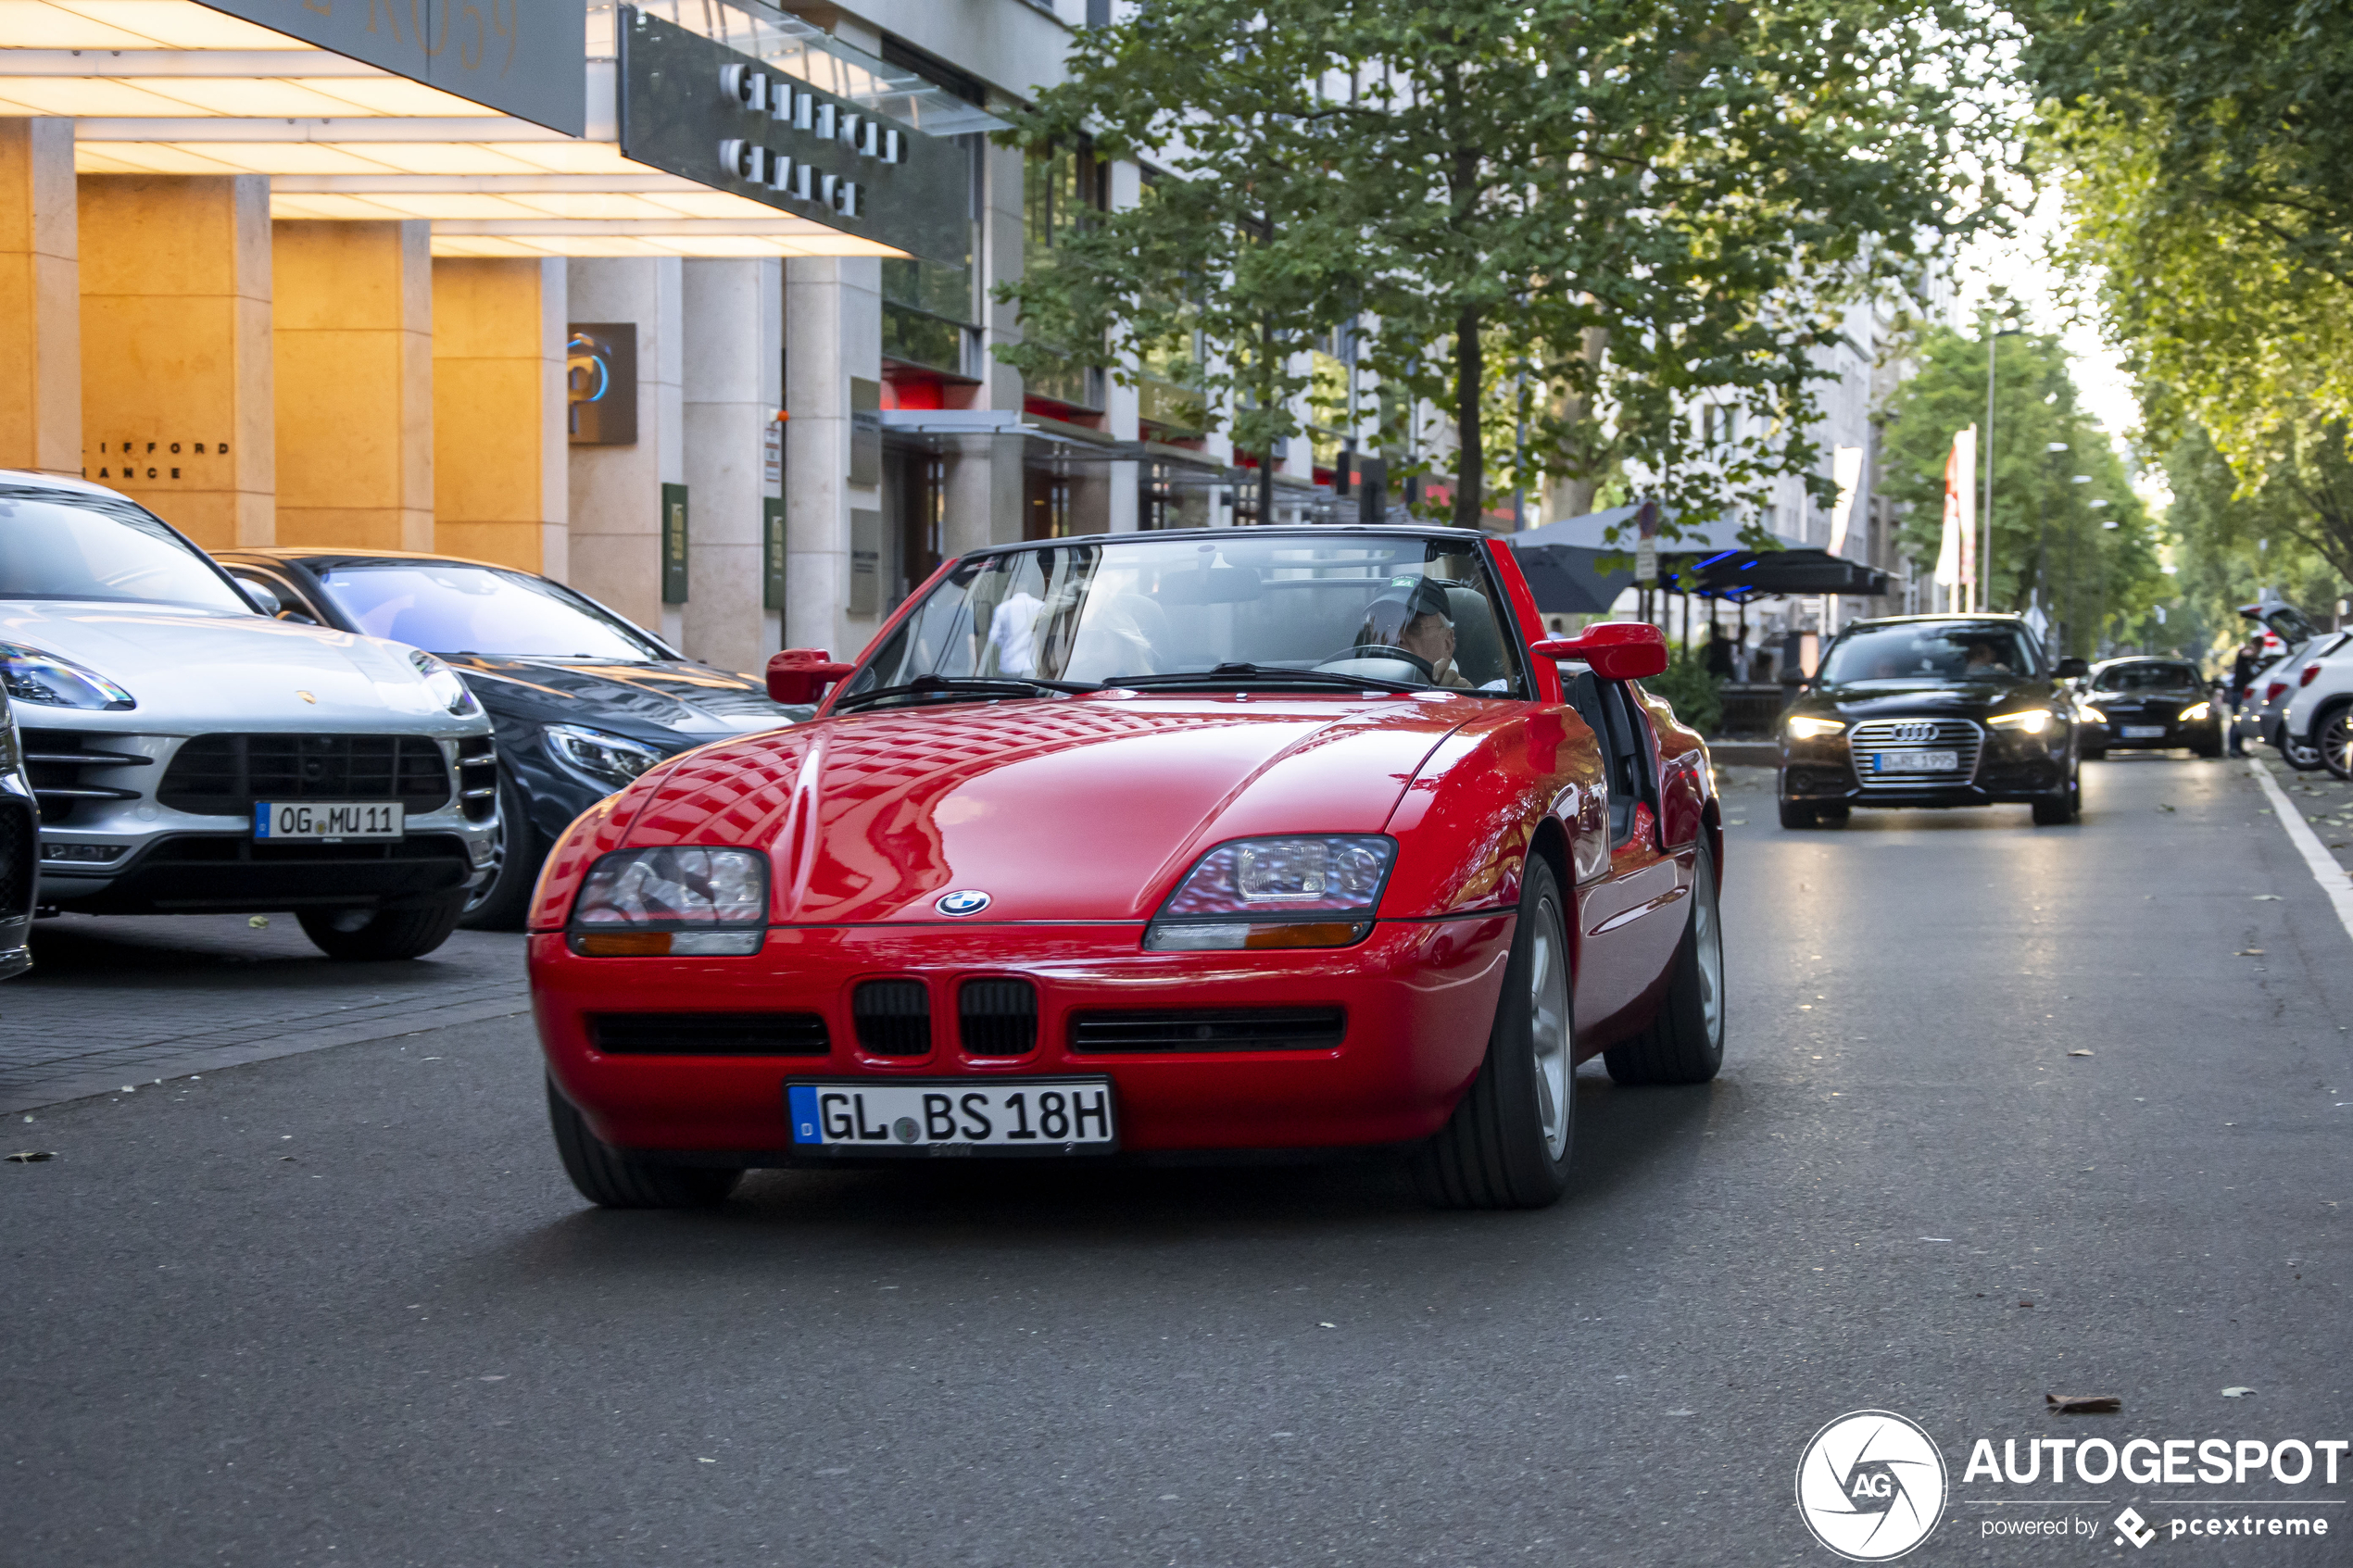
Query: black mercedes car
<point x="1932" y="710"/>
<point x="583" y="700"/>
<point x="2143" y="704"/>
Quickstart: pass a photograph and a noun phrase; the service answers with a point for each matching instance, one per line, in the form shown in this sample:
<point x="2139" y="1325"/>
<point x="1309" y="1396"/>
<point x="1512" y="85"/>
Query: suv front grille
<point x="224" y="775"/>
<point x="892" y="1016"/>
<point x="1207" y="1029"/>
<point x="1871" y="738"/>
<point x="998" y="1017"/>
<point x="709" y="1034"/>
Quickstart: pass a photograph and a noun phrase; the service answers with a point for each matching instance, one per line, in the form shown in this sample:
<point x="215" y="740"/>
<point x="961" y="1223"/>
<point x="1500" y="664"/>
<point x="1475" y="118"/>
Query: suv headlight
<point x="2032" y="721"/>
<point x="673" y="902"/>
<point x="609" y="761"/>
<point x="447" y="686"/>
<point x="34" y="676"/>
<point x="1805" y="727"/>
<point x="2194" y="712"/>
<point x="1292" y="892"/>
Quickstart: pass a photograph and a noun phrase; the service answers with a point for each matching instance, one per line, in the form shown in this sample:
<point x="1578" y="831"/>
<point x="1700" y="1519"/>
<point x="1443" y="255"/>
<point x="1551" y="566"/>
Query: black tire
<point x="1797" y="814"/>
<point x="609" y="1178"/>
<point x="505" y="899"/>
<point x="1495" y="1151"/>
<point x="2302" y="756"/>
<point x="1684" y="1043"/>
<point x="373" y="935"/>
<point x="2099" y="754"/>
<point x="2333" y="732"/>
<point x="2064" y="804"/>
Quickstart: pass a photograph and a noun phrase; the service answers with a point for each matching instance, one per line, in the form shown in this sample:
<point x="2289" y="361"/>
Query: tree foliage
<point x="1558" y="218"/>
<point x="2231" y="541"/>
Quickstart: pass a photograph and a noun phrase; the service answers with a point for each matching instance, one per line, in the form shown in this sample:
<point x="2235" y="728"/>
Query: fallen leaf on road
<point x="2163" y="807"/>
<point x="260" y="923"/>
<point x="31" y="1156"/>
<point x="2267" y="897"/>
<point x="2236" y="1393"/>
<point x="2026" y="1303"/>
<point x="2082" y="1404"/>
<point x="1682" y="1412"/>
<point x="1327" y="1325"/>
<point x="2248" y="953"/>
<point x="2078" y="1053"/>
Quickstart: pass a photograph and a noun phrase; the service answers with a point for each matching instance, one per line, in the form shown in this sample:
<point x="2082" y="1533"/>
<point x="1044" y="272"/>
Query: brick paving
<point x="122" y="1001"/>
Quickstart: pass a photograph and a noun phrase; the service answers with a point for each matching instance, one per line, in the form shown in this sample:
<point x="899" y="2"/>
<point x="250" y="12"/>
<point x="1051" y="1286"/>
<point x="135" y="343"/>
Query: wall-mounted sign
<point x="674" y="543"/>
<point x="865" y="562"/>
<point x="528" y="58"/>
<point x="701" y="109"/>
<point x="772" y="552"/>
<point x="600" y="382"/>
<point x="865" y="431"/>
<point x="118" y="461"/>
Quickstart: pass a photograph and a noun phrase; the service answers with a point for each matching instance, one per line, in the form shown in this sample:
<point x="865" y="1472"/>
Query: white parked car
<point x="2317" y="712"/>
<point x="190" y="755"/>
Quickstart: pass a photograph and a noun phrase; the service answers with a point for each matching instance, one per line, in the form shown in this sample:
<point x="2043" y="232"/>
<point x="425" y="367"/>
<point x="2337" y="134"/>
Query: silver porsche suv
<point x="188" y="754"/>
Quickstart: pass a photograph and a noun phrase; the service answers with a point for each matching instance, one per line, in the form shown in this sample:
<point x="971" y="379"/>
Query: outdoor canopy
<point x="1577" y="567"/>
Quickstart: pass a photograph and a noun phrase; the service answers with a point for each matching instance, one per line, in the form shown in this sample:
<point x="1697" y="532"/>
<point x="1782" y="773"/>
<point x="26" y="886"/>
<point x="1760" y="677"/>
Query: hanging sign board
<point x="703" y="110"/>
<point x="674" y="543"/>
<point x="528" y="58"/>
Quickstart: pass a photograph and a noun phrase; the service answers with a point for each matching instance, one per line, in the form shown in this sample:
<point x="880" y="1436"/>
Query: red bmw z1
<point x="1232" y="841"/>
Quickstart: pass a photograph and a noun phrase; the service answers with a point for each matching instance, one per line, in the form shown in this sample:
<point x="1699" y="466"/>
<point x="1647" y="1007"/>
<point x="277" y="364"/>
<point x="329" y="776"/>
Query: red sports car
<point x="1239" y="840"/>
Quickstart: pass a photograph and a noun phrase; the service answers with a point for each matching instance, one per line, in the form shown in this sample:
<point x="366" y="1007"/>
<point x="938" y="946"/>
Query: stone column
<point x="40" y="299"/>
<point x="833" y="324"/>
<point x="731" y="387"/>
<point x="352" y="328"/>
<point x="177" y="410"/>
<point x="501" y="448"/>
<point x="616" y="491"/>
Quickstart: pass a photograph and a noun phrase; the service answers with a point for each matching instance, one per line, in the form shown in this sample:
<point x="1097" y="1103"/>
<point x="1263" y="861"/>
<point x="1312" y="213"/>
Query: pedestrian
<point x="2243" y="669"/>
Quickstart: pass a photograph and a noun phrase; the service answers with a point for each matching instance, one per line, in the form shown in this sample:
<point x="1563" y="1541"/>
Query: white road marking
<point x="2325" y="870"/>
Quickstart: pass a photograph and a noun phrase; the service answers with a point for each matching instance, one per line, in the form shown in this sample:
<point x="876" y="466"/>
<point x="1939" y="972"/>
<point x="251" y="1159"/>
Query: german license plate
<point x="2142" y="731"/>
<point x="327" y="818"/>
<point x="1918" y="762"/>
<point x="954" y="1116"/>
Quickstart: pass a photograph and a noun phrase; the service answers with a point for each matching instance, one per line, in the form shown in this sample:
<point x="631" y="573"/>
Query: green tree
<point x="1496" y="188"/>
<point x="2085" y="549"/>
<point x="2230" y="540"/>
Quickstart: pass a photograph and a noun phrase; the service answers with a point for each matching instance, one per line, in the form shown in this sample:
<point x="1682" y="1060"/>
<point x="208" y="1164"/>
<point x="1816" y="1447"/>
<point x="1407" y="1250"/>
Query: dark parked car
<point x="583" y="700"/>
<point x="1932" y="710"/>
<point x="20" y="848"/>
<point x="2147" y="704"/>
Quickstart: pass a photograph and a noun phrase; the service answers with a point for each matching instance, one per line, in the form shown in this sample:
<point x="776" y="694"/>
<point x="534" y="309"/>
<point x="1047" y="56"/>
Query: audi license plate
<point x="2142" y="731"/>
<point x="955" y="1116"/>
<point x="1918" y="762"/>
<point x="327" y="818"/>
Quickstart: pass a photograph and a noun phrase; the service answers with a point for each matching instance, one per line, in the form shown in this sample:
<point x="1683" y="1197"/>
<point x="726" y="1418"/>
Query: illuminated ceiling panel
<point x="74" y="97"/>
<point x="176" y="24"/>
<point x="146" y="158"/>
<point x="36" y="24"/>
<point x="391" y="95"/>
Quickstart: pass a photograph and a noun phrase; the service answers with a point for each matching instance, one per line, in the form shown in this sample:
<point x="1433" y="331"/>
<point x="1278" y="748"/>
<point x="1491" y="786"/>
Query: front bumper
<point x="1420" y="999"/>
<point x="2006" y="772"/>
<point x="2199" y="732"/>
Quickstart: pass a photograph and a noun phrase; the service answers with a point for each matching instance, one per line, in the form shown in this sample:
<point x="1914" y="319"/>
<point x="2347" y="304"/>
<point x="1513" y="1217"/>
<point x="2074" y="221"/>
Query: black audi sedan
<point x="2143" y="704"/>
<point x="583" y="700"/>
<point x="1932" y="710"/>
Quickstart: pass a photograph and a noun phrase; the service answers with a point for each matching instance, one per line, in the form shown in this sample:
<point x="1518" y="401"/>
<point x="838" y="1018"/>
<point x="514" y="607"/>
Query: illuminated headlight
<point x="34" y="676"/>
<point x="2033" y="722"/>
<point x="2195" y="712"/>
<point x="1802" y="727"/>
<point x="675" y="902"/>
<point x="2093" y="714"/>
<point x="607" y="760"/>
<point x="1256" y="893"/>
<point x="445" y="683"/>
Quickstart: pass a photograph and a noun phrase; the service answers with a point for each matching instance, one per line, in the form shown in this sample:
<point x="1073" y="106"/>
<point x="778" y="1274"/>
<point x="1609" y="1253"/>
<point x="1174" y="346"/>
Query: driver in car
<point x="1413" y="619"/>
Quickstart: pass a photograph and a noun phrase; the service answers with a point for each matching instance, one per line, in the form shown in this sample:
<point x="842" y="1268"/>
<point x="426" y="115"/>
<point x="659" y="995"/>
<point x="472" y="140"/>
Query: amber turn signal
<point x="1328" y="933"/>
<point x="621" y="944"/>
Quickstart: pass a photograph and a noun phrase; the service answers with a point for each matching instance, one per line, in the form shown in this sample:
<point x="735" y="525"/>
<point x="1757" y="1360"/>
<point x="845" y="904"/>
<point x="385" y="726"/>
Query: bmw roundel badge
<point x="964" y="901"/>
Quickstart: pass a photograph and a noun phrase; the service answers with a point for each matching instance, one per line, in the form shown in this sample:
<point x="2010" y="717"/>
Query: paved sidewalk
<point x="115" y="1002"/>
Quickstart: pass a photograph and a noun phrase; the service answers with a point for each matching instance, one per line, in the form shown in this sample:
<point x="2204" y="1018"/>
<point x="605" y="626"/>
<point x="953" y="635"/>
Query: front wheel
<point x="1508" y="1143"/>
<point x="374" y="935"/>
<point x="2300" y="755"/>
<point x="503" y="898"/>
<point x="611" y="1178"/>
<point x="1684" y="1043"/>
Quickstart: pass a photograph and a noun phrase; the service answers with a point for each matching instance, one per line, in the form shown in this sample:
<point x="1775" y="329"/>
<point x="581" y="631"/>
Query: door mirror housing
<point x="1617" y="650"/>
<point x="259" y="594"/>
<point x="2073" y="669"/>
<point x="798" y="675"/>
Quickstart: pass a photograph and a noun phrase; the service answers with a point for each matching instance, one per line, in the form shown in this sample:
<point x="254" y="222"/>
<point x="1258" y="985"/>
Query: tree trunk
<point x="1470" y="456"/>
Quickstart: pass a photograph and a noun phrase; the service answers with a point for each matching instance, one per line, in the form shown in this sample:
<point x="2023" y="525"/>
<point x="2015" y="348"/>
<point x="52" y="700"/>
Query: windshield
<point x="2150" y="677"/>
<point x="449" y="608"/>
<point x="1935" y="651"/>
<point x="55" y="544"/>
<point x="1379" y="612"/>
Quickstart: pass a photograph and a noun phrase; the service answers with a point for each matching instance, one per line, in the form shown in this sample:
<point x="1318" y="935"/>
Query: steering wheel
<point x="1383" y="650"/>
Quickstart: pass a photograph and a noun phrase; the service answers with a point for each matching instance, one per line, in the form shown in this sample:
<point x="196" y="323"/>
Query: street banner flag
<point x="1846" y="468"/>
<point x="1957" y="554"/>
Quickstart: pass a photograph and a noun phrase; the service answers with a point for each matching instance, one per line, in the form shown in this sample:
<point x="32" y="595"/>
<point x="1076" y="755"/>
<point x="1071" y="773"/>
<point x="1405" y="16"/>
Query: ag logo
<point x="1871" y="1485"/>
<point x="964" y="901"/>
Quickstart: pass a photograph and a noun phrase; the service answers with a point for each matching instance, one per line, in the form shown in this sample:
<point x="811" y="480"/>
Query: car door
<point x="1630" y="918"/>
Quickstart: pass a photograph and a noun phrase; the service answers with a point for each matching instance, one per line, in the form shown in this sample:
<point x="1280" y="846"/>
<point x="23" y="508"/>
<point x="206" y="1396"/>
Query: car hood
<point x="1062" y="810"/>
<point x="693" y="699"/>
<point x="1891" y="699"/>
<point x="193" y="671"/>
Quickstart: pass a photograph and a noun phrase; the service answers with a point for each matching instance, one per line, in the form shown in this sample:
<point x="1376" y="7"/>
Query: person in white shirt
<point x="1011" y="633"/>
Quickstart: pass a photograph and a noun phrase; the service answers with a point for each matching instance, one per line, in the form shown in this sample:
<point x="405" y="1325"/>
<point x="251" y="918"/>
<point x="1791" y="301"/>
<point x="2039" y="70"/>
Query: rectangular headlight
<point x="1805" y="727"/>
<point x="1283" y="892"/>
<point x="2033" y="722"/>
<point x="674" y="900"/>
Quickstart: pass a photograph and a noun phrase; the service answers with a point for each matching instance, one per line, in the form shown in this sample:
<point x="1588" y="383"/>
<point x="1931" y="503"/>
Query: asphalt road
<point x="342" y="1308"/>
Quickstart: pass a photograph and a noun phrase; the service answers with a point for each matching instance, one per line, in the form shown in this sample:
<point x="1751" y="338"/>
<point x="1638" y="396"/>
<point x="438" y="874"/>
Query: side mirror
<point x="1618" y="650"/>
<point x="260" y="595"/>
<point x="2073" y="669"/>
<point x="799" y="675"/>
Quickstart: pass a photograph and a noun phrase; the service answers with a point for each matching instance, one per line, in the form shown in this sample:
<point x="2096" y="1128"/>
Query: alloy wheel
<point x="1548" y="1028"/>
<point x="1707" y="936"/>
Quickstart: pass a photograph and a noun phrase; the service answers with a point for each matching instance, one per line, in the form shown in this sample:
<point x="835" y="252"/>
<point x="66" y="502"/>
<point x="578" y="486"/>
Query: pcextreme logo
<point x="1871" y="1485"/>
